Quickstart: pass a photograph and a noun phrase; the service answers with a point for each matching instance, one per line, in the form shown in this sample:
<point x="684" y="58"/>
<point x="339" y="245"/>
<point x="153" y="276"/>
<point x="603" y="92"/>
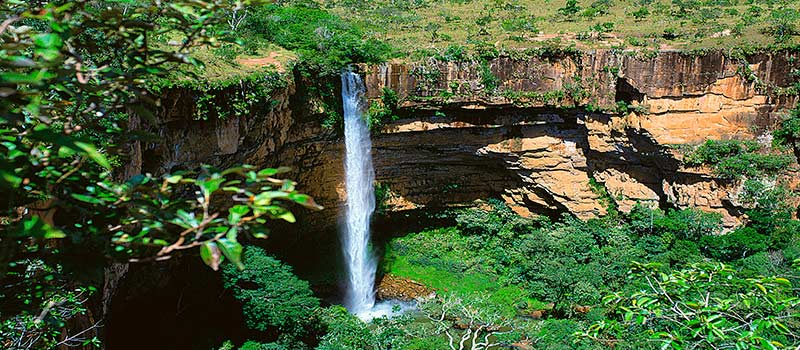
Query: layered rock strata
<point x="532" y="141"/>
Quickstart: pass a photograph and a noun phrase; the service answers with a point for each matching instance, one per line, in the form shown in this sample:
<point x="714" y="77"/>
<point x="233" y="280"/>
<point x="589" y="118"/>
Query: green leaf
<point x="236" y="212"/>
<point x="273" y="171"/>
<point x="267" y="172"/>
<point x="87" y="199"/>
<point x="265" y="198"/>
<point x="211" y="255"/>
<point x="93" y="154"/>
<point x="305" y="200"/>
<point x="209" y="186"/>
<point x="26" y="78"/>
<point x="174" y="179"/>
<point x="232" y="250"/>
<point x="9" y="180"/>
<point x="286" y="215"/>
<point x="35" y="227"/>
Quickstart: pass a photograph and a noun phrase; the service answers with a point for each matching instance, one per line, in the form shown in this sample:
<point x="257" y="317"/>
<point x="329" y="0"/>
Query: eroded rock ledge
<point x="535" y="148"/>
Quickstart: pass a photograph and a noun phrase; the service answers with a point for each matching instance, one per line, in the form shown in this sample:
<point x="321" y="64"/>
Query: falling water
<point x="359" y="177"/>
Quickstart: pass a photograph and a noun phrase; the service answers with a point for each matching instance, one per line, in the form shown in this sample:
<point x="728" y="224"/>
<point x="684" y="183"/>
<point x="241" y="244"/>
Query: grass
<point x="408" y="257"/>
<point x="442" y="280"/>
<point x="226" y="69"/>
<point x="225" y="64"/>
<point x="423" y="27"/>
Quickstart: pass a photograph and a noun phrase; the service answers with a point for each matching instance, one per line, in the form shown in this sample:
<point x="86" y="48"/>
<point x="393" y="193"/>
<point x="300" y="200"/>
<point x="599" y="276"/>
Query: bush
<point x="713" y="152"/>
<point x="704" y="306"/>
<point x="783" y="24"/>
<point x="489" y="81"/>
<point x="641" y="13"/>
<point x="252" y="345"/>
<point x="759" y="264"/>
<point x="453" y="53"/>
<point x="560" y="335"/>
<point x="347" y="332"/>
<point x="684" y="252"/>
<point x="383" y="111"/>
<point x="272" y="296"/>
<point x="570" y="9"/>
<point x="733" y="159"/>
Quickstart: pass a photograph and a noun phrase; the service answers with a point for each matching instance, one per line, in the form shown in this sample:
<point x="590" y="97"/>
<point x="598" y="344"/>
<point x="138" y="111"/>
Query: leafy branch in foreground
<point x="157" y="218"/>
<point x="704" y="306"/>
<point x="72" y="74"/>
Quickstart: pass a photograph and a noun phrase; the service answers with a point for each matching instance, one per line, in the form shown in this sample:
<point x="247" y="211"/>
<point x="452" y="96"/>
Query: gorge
<point x="538" y="156"/>
<point x="400" y="174"/>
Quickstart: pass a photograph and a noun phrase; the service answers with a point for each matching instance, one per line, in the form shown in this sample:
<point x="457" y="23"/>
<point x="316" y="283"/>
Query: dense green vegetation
<point x="733" y="159"/>
<point x="645" y="280"/>
<point x="577" y="275"/>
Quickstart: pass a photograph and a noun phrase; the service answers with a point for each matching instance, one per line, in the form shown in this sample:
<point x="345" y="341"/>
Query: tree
<point x="467" y="323"/>
<point x="788" y="132"/>
<point x="272" y="296"/>
<point x="783" y="24"/>
<point x="705" y="306"/>
<point x="344" y="331"/>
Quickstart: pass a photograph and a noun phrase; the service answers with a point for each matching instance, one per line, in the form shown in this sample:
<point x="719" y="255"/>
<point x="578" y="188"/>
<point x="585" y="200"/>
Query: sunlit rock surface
<point x="539" y="156"/>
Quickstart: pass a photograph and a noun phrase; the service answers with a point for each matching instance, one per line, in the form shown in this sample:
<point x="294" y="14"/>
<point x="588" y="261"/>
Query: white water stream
<point x="359" y="178"/>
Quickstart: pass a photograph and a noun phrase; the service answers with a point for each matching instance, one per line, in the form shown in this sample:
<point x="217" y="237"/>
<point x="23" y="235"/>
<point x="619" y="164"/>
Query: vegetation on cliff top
<point x="426" y="27"/>
<point x="327" y="35"/>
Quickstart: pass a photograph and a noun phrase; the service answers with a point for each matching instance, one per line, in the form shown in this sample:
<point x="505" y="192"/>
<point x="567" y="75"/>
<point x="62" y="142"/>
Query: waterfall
<point x="359" y="178"/>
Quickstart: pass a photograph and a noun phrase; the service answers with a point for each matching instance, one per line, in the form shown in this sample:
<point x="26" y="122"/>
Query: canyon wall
<point x="545" y="140"/>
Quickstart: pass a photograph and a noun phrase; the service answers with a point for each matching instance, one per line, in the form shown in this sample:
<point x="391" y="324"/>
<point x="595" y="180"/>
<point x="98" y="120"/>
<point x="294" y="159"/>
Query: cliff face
<point x="529" y="144"/>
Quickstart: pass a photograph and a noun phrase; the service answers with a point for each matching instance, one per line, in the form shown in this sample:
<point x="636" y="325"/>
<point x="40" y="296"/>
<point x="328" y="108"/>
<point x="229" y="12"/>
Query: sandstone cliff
<point x="532" y="142"/>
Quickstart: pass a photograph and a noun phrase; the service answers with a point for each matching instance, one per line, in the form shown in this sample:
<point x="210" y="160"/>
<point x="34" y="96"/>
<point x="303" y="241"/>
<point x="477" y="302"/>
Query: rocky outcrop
<point x="550" y="129"/>
<point x="391" y="287"/>
<point x="550" y="150"/>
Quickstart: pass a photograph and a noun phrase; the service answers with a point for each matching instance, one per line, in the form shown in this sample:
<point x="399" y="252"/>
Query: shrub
<point x="489" y="81"/>
<point x="641" y="13"/>
<point x="252" y="345"/>
<point x="346" y="332"/>
<point x="759" y="264"/>
<point x="383" y="111"/>
<point x="527" y="24"/>
<point x="570" y="9"/>
<point x="684" y="252"/>
<point x="733" y="159"/>
<point x="453" y="53"/>
<point x="688" y="224"/>
<point x="788" y="132"/>
<point x="783" y="24"/>
<point x="704" y="306"/>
